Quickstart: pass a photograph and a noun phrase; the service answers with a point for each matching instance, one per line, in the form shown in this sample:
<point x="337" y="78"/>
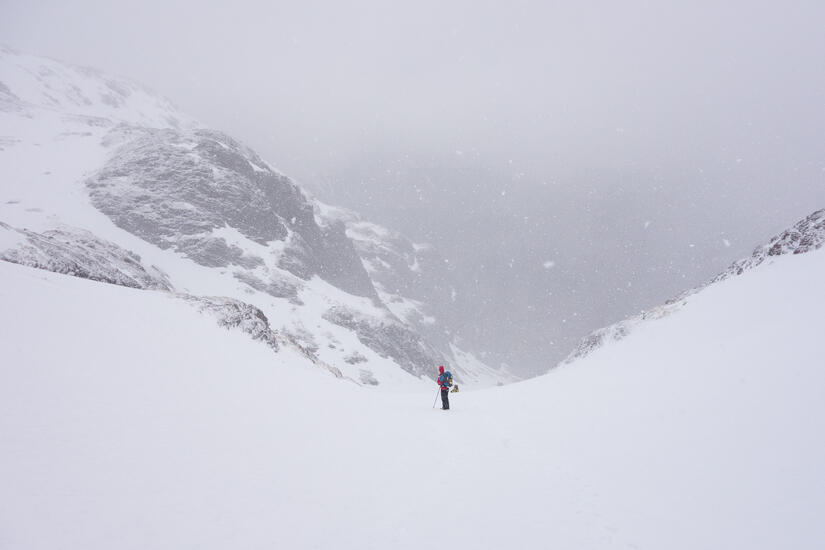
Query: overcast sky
<point x="587" y="146"/>
<point x="532" y="82"/>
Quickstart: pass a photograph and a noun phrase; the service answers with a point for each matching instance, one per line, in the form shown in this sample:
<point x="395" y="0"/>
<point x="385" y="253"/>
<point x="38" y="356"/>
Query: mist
<point x="573" y="162"/>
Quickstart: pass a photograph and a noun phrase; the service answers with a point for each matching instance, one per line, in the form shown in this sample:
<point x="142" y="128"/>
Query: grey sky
<point x="636" y="146"/>
<point x="572" y="81"/>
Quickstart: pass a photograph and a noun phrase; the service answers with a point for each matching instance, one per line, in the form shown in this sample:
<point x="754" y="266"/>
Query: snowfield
<point x="130" y="420"/>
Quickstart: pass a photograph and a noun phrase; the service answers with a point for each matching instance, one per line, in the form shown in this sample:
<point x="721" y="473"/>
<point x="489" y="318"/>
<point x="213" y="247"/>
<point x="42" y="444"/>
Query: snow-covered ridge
<point x="805" y="236"/>
<point x="29" y="82"/>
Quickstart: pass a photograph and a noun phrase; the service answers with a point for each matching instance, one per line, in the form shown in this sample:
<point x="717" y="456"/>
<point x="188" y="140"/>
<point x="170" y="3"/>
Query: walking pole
<point x="436" y="396"/>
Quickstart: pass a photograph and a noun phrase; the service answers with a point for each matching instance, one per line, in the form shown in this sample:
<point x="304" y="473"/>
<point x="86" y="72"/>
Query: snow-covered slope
<point x="129" y="420"/>
<point x="114" y="182"/>
<point x="30" y="85"/>
<point x="164" y="411"/>
<point x="805" y="236"/>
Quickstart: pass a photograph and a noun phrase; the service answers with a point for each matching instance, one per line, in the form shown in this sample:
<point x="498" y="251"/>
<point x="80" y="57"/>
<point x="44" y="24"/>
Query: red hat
<point x="441" y="368"/>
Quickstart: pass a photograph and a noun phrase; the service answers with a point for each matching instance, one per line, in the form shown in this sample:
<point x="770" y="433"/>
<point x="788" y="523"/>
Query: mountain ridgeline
<point x="805" y="236"/>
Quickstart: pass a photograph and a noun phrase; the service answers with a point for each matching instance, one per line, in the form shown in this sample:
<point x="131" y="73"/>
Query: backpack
<point x="448" y="379"/>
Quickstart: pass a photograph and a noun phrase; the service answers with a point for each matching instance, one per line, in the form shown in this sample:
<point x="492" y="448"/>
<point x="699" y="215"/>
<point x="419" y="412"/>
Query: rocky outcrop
<point x="411" y="278"/>
<point x="277" y="286"/>
<point x="79" y="253"/>
<point x="232" y="314"/>
<point x="804" y="236"/>
<point x="179" y="190"/>
<point x="388" y="338"/>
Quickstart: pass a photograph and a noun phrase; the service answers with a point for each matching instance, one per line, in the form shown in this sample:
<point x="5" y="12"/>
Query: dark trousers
<point x="445" y="398"/>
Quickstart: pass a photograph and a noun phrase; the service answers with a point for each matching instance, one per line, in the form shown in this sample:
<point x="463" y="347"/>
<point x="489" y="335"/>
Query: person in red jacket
<point x="445" y="380"/>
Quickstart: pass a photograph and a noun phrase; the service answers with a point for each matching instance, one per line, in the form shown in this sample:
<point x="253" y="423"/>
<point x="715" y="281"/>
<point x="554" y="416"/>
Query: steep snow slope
<point x="154" y="428"/>
<point x="108" y="180"/>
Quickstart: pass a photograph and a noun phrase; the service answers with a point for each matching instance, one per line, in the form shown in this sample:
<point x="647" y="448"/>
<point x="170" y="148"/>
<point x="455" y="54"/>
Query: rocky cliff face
<point x="805" y="236"/>
<point x="413" y="282"/>
<point x="178" y="190"/>
<point x="206" y="196"/>
<point x="411" y="278"/>
<point x="109" y="181"/>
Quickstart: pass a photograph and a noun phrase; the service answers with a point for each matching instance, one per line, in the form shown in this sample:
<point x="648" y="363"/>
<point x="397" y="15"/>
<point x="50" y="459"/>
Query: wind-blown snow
<point x="159" y="429"/>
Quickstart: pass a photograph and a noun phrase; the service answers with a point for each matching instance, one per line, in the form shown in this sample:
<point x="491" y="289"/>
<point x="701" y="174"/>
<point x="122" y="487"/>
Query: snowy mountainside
<point x="107" y="180"/>
<point x="31" y="84"/>
<point x="409" y="279"/>
<point x="159" y="429"/>
<point x="182" y="190"/>
<point x="805" y="236"/>
<point x="80" y="254"/>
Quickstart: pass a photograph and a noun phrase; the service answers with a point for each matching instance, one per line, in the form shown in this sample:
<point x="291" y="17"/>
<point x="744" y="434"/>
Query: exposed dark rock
<point x="355" y="358"/>
<point x="174" y="189"/>
<point x="804" y="236"/>
<point x="303" y="339"/>
<point x="215" y="252"/>
<point x="367" y="377"/>
<point x="388" y="338"/>
<point x="79" y="253"/>
<point x="279" y="288"/>
<point x="408" y="275"/>
<point x="231" y="313"/>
